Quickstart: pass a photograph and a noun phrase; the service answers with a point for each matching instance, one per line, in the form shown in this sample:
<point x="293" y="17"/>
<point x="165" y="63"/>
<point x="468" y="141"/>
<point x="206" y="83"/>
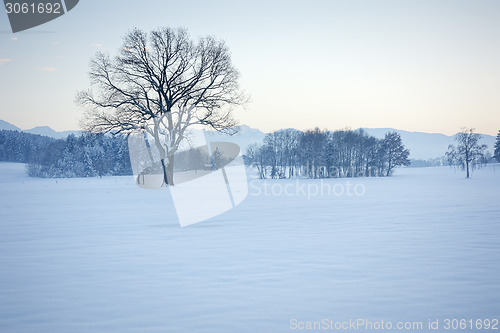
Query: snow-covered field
<point x="103" y="255"/>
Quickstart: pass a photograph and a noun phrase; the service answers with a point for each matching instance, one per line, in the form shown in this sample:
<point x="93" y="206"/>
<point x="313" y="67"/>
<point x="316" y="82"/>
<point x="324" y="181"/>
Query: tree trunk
<point x="165" y="174"/>
<point x="148" y="146"/>
<point x="467" y="164"/>
<point x="168" y="170"/>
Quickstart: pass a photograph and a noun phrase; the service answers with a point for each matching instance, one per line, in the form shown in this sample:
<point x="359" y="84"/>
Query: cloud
<point x="14" y="38"/>
<point x="97" y="44"/>
<point x="57" y="42"/>
<point x="47" y="69"/>
<point x="4" y="61"/>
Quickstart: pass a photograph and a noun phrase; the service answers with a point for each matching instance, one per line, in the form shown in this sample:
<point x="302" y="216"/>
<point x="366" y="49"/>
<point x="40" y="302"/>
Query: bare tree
<point x="451" y="155"/>
<point x="469" y="152"/>
<point x="162" y="83"/>
<point x="255" y="154"/>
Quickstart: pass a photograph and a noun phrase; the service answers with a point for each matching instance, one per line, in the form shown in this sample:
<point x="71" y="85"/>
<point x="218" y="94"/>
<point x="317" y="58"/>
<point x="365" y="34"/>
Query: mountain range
<point x="40" y="130"/>
<point x="422" y="145"/>
<point x="427" y="145"/>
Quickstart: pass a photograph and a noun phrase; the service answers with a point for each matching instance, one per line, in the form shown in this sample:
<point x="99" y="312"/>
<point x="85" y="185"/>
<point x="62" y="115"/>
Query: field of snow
<point x="103" y="255"/>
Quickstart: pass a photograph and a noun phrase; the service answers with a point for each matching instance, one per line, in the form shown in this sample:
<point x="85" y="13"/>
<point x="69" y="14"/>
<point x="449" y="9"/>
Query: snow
<point x="103" y="255"/>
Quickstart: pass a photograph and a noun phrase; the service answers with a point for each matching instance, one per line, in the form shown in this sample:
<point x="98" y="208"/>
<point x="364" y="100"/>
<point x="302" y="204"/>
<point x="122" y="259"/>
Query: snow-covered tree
<point x="468" y="153"/>
<point x="312" y="153"/>
<point x="323" y="154"/>
<point x="255" y="156"/>
<point x="395" y="152"/>
<point x="497" y="147"/>
<point x="22" y="147"/>
<point x="162" y="83"/>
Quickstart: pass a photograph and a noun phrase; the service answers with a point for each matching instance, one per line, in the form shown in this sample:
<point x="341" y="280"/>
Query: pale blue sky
<point x="430" y="66"/>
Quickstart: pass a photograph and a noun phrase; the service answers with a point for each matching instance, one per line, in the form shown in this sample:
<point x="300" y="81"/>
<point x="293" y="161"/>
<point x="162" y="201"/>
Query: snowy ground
<point x="102" y="255"/>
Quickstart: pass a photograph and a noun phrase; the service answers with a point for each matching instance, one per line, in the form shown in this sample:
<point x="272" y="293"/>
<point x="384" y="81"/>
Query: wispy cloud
<point x="57" y="42"/>
<point x="47" y="69"/>
<point x="97" y="44"/>
<point x="4" y="61"/>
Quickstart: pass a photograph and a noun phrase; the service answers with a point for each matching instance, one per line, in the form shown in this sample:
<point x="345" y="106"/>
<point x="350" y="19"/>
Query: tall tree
<point x="468" y="152"/>
<point x="395" y="152"/>
<point x="162" y="83"/>
<point x="497" y="147"/>
<point x="312" y="144"/>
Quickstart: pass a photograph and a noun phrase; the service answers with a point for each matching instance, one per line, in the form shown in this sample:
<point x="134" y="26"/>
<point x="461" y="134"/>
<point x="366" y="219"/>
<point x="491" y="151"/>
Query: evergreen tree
<point x="497" y="147"/>
<point x="21" y="147"/>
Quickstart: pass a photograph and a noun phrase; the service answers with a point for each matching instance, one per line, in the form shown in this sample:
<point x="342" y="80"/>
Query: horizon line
<point x="265" y="132"/>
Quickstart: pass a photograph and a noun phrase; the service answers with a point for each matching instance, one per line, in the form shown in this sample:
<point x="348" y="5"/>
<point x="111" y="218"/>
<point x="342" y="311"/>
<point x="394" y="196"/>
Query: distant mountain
<point x="422" y="145"/>
<point x="243" y="138"/>
<point x="8" y="126"/>
<point x="40" y="130"/>
<point x="426" y="145"/>
<point x="47" y="131"/>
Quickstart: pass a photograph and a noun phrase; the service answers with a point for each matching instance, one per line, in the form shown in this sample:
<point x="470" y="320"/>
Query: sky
<point x="426" y="65"/>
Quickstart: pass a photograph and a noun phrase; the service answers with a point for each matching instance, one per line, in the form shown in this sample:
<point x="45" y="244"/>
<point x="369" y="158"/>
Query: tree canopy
<point x="162" y="83"/>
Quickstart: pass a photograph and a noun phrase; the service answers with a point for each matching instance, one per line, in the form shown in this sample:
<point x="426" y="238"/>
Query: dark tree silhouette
<point x="468" y="152"/>
<point x="162" y="83"/>
<point x="396" y="154"/>
<point x="497" y="147"/>
<point x="325" y="154"/>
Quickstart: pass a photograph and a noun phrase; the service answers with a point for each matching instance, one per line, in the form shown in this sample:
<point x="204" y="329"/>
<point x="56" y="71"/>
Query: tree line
<point x="327" y="154"/>
<point x="22" y="147"/>
<point x="283" y="154"/>
<point x="87" y="155"/>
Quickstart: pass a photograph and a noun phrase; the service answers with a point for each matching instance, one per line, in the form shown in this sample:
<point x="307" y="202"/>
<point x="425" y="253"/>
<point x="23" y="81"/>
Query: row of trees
<point x="88" y="155"/>
<point x="324" y="154"/>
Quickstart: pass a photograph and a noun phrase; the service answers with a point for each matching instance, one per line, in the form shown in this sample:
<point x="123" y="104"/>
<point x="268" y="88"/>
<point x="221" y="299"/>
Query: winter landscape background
<point x="101" y="254"/>
<point x="422" y="145"/>
<point x="365" y="191"/>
